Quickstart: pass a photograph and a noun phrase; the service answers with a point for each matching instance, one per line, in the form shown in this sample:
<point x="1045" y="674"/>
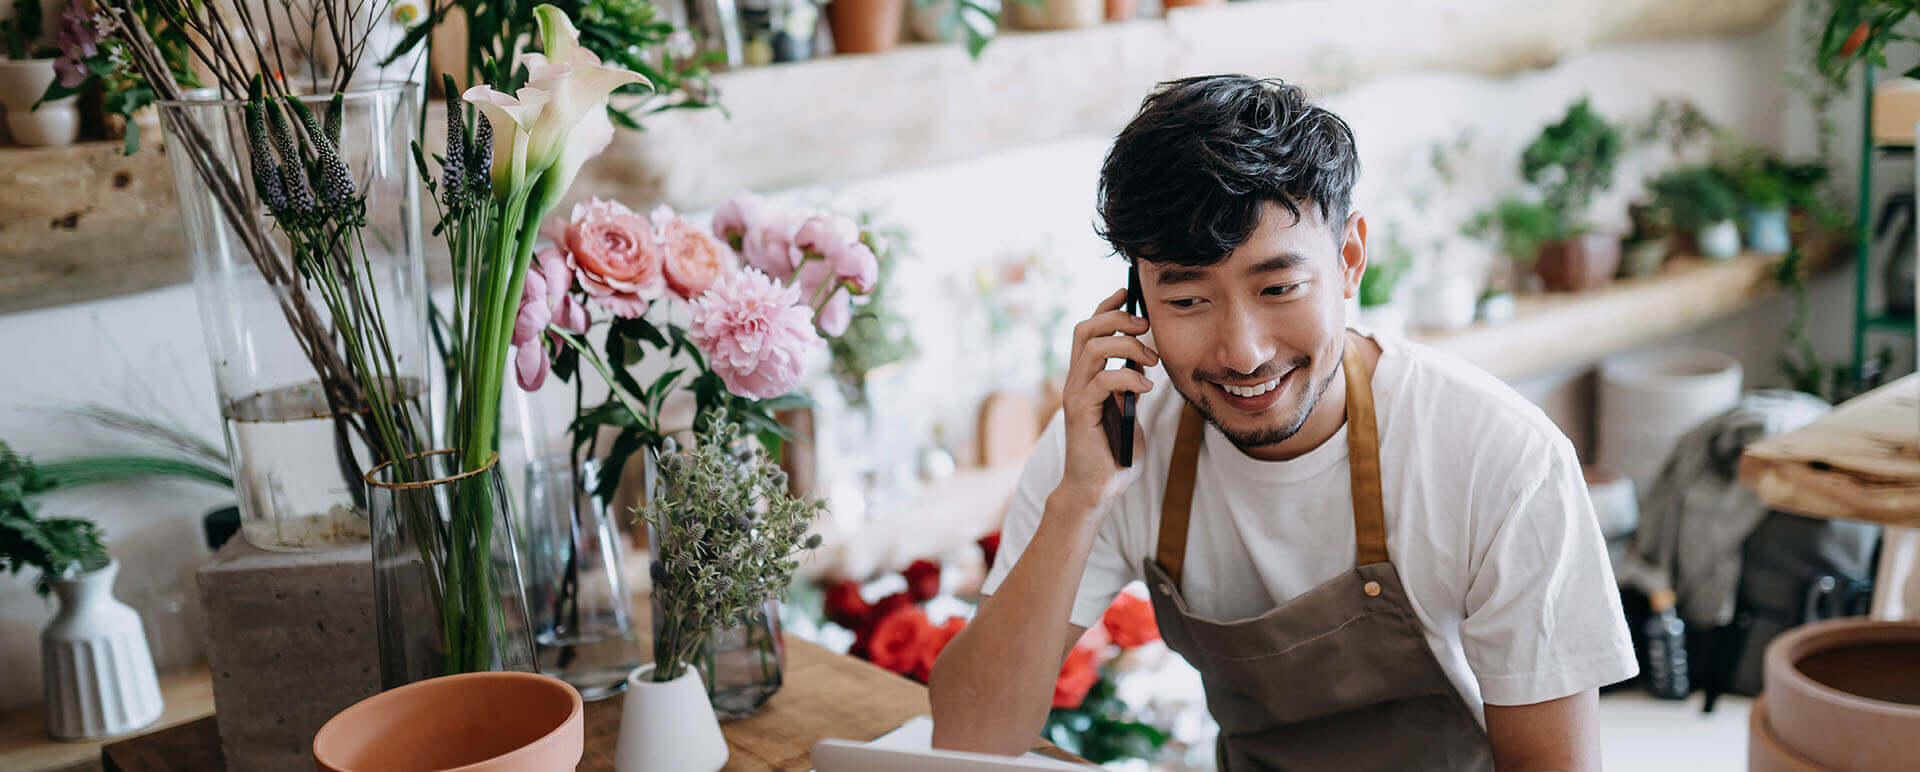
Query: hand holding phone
<point x="1099" y="404"/>
<point x="1118" y="414"/>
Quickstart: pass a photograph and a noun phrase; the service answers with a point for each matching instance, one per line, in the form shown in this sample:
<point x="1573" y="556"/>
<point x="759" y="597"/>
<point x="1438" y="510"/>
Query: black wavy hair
<point x="1185" y="181"/>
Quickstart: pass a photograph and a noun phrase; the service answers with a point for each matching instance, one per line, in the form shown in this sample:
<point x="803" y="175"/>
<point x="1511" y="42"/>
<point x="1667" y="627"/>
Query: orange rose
<point x="1078" y="674"/>
<point x="1129" y="621"/>
<point x="695" y="259"/>
<point x="936" y="642"/>
<point x="617" y="256"/>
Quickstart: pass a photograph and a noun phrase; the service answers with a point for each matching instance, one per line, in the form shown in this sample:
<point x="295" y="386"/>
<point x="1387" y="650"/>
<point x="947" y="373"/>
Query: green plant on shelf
<point x="1695" y="196"/>
<point x="1519" y="227"/>
<point x="1384" y="275"/>
<point x="1573" y="159"/>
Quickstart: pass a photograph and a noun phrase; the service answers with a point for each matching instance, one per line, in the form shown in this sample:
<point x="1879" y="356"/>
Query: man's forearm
<point x="993" y="684"/>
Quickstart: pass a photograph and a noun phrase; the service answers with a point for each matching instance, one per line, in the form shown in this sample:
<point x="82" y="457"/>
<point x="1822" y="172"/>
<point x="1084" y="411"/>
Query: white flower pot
<point x="55" y="123"/>
<point x="668" y="727"/>
<point x="94" y="659"/>
<point x="1720" y="240"/>
<point x="1390" y="318"/>
<point x="1445" y="303"/>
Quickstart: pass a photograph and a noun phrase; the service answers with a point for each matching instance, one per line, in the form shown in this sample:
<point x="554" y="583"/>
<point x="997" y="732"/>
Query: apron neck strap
<point x="1363" y="465"/>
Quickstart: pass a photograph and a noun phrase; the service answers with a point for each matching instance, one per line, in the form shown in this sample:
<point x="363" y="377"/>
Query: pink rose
<point x="736" y="218"/>
<point x="545" y="300"/>
<point x="695" y="259"/>
<point x="617" y="256"/>
<point x="769" y="246"/>
<point x="753" y="334"/>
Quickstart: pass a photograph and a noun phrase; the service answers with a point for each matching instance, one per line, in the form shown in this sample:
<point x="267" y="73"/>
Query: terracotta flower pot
<point x="1172" y="4"/>
<point x="865" y="26"/>
<point x="1580" y="263"/>
<point x="475" y="722"/>
<point x="1765" y="751"/>
<point x="1845" y="693"/>
<point x="1122" y="10"/>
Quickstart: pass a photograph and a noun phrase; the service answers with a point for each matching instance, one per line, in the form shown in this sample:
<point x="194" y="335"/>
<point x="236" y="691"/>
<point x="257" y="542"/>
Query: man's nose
<point x="1243" y="343"/>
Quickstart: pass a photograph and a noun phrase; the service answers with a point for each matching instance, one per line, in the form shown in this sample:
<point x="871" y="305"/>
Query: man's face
<point x="1254" y="340"/>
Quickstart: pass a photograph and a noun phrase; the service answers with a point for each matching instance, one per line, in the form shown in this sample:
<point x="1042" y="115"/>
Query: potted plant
<point x="1700" y="201"/>
<point x="728" y="538"/>
<point x="1645" y="249"/>
<point x="1517" y="228"/>
<point x="865" y="26"/>
<point x="1380" y="298"/>
<point x="1057" y="14"/>
<point x="1571" y="161"/>
<point x="1753" y="176"/>
<point x="26" y="73"/>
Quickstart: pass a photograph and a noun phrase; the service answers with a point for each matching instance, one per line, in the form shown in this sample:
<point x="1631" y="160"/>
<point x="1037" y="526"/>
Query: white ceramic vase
<point x="97" y="670"/>
<point x="55" y="123"/>
<point x="1444" y="303"/>
<point x="1720" y="240"/>
<point x="668" y="727"/>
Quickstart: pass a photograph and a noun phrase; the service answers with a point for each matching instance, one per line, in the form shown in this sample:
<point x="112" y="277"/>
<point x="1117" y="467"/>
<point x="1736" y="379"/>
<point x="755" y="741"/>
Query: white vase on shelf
<point x="54" y="124"/>
<point x="97" y="669"/>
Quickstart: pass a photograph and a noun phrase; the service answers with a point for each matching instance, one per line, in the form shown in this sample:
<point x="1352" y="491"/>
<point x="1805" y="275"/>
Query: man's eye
<point x="1280" y="290"/>
<point x="1183" y="302"/>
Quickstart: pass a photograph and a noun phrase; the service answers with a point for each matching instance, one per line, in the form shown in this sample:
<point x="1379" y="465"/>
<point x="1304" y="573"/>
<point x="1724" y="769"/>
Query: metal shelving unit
<point x="1868" y="320"/>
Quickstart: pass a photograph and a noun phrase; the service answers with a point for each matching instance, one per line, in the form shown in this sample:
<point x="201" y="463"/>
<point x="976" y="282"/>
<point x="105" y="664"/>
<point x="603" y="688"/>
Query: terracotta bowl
<point x="1845" y="693"/>
<point x="476" y="722"/>
<point x="1765" y="751"/>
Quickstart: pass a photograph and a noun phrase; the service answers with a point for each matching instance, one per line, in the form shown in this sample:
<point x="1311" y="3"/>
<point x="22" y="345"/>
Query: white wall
<point x="145" y="351"/>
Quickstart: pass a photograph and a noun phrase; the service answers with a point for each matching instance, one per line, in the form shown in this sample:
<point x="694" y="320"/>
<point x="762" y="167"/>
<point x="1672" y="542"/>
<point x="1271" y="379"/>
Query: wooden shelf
<point x="1554" y="330"/>
<point x="1859" y="462"/>
<point x="25" y="746"/>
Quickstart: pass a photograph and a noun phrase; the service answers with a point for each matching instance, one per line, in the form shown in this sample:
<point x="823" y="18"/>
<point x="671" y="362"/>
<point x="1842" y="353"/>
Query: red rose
<point x="923" y="580"/>
<point x="884" y="606"/>
<point x="990" y="546"/>
<point x="897" y="638"/>
<point x="936" y="642"/>
<point x="1129" y="621"/>
<point x="1077" y="676"/>
<point x="845" y="607"/>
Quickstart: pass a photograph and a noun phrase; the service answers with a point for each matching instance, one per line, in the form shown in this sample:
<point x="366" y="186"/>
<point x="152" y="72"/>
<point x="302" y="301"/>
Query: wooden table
<point x="825" y="695"/>
<point x="1860" y="462"/>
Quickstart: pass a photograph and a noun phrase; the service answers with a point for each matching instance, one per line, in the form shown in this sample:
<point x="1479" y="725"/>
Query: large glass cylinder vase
<point x="296" y="420"/>
<point x="448" y="590"/>
<point x="577" y="591"/>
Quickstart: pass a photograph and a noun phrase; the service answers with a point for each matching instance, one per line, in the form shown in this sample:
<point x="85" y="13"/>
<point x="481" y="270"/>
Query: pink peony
<point x="754" y="335"/>
<point x="546" y="300"/>
<point x="695" y="259"/>
<point x="858" y="267"/>
<point x="769" y="245"/>
<point x="836" y="312"/>
<point x="619" y="259"/>
<point x="826" y="236"/>
<point x="736" y="218"/>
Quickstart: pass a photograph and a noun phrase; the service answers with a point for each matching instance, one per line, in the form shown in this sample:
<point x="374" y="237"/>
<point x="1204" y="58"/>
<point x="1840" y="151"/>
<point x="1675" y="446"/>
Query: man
<point x="1377" y="556"/>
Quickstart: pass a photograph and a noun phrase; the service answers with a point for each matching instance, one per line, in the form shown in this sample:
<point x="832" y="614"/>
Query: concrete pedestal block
<point x="290" y="642"/>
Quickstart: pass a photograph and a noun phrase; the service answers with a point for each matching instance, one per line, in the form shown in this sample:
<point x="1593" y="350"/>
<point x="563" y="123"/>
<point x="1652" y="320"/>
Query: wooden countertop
<point x="825" y="695"/>
<point x="1860" y="462"/>
<point x="25" y="747"/>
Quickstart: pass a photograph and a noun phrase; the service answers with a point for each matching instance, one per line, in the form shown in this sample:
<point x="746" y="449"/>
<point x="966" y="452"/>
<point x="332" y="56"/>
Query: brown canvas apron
<point x="1340" y="677"/>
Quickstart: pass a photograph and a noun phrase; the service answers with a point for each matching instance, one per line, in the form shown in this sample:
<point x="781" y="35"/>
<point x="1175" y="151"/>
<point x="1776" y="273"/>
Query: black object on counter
<point x="220" y="525"/>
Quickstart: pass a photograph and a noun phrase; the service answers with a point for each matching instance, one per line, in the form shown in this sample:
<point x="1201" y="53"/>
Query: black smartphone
<point x="1117" y="415"/>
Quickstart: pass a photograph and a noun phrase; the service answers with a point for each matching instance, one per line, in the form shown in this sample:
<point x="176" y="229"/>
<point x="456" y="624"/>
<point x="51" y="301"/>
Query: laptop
<point x="910" y="748"/>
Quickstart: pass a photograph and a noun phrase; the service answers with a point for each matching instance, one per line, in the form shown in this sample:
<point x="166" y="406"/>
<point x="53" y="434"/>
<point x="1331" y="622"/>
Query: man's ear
<point x="1353" y="253"/>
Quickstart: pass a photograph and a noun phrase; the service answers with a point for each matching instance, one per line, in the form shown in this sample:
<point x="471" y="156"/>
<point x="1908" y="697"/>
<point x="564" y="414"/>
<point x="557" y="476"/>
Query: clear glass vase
<point x="577" y="591"/>
<point x="448" y="590"/>
<point x="295" y="421"/>
<point x="742" y="666"/>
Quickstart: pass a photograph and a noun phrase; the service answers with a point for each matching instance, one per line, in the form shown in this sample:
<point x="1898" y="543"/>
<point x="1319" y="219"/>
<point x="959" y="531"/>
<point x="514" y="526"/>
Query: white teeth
<point x="1251" y="391"/>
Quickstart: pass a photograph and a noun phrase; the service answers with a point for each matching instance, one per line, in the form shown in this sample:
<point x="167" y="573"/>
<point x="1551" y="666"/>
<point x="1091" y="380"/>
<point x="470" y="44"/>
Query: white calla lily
<point x="578" y="85"/>
<point x="513" y="117"/>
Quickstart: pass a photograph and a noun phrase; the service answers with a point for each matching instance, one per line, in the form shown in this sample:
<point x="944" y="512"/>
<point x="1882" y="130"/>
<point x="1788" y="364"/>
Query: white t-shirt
<point x="1488" y="522"/>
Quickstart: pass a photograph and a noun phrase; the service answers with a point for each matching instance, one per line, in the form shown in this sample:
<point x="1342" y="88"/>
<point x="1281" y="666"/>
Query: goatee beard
<point x="1266" y="437"/>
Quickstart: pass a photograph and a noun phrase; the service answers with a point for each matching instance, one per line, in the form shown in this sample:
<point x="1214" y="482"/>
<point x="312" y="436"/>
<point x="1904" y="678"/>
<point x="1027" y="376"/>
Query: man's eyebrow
<point x="1180" y="275"/>
<point x="1280" y="262"/>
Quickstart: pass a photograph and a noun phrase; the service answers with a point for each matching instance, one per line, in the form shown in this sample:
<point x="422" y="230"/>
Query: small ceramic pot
<point x="95" y="663"/>
<point x="1390" y="318"/>
<point x="865" y="26"/>
<point x="1845" y="693"/>
<point x="1579" y="264"/>
<point x="1641" y="259"/>
<point x="668" y="727"/>
<point x="1718" y="241"/>
<point x="1767" y="230"/>
<point x="497" y="721"/>
<point x="53" y="124"/>
<point x="1444" y="303"/>
<point x="1057" y="14"/>
<point x="1122" y="10"/>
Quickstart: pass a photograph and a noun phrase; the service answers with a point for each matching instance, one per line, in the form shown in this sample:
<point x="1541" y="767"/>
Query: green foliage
<point x="1519" y="227"/>
<point x="1100" y="730"/>
<point x="1383" y="275"/>
<point x="1801" y="364"/>
<point x="25" y="32"/>
<point x="123" y="91"/>
<point x="57" y="546"/>
<point x="979" y="20"/>
<point x="1860" y="31"/>
<point x="1572" y="160"/>
<point x="877" y="335"/>
<point x="728" y="537"/>
<point x="1695" y="196"/>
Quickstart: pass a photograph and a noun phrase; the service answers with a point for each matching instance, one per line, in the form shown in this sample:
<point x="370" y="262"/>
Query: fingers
<point x="1107" y="383"/>
<point x="1099" y="350"/>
